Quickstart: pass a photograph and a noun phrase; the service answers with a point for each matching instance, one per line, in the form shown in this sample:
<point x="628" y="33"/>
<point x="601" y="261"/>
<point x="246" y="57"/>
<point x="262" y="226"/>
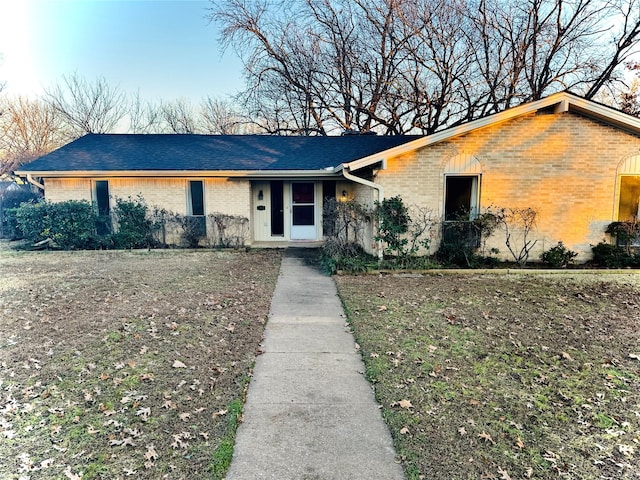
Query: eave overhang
<point x="326" y="172"/>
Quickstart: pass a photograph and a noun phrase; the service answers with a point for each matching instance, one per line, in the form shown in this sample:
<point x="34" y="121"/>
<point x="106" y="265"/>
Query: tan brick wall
<point x="221" y="194"/>
<point x="232" y="197"/>
<point x="561" y="165"/>
<point x="167" y="193"/>
<point x="62" y="189"/>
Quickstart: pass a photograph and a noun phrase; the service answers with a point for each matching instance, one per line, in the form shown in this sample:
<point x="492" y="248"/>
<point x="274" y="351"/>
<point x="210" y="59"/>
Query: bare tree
<point x="398" y="66"/>
<point x="220" y="117"/>
<point x="86" y="107"/>
<point x="624" y="40"/>
<point x="630" y="98"/>
<point x="279" y="63"/>
<point x="28" y="129"/>
<point x="144" y="117"/>
<point x="178" y="116"/>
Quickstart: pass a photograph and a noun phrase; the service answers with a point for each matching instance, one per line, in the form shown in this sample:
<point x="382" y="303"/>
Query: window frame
<point x="197" y="222"/>
<point x="474" y="194"/>
<point x="190" y="203"/>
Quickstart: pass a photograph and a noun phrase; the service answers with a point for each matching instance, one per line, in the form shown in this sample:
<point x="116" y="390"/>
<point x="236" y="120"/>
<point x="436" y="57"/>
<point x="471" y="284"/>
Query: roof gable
<point x="559" y="102"/>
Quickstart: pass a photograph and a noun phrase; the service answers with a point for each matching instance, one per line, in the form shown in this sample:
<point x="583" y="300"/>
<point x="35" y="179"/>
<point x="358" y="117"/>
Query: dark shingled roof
<point x="126" y="152"/>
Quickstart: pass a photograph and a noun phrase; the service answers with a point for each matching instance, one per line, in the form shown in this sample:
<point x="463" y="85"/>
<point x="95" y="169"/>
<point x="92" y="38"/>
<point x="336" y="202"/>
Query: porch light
<point x="260" y="195"/>
<point x="344" y="196"/>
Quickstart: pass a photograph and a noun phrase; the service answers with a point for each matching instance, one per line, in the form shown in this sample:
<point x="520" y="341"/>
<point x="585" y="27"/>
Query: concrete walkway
<point x="310" y="414"/>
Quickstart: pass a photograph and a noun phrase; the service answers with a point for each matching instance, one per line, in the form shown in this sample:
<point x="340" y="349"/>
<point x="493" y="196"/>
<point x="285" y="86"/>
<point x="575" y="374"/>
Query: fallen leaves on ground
<point x="123" y="361"/>
<point x="519" y="375"/>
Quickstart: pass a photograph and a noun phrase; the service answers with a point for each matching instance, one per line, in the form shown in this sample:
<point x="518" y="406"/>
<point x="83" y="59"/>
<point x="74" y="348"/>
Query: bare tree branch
<point x="399" y="66"/>
<point x="178" y="117"/>
<point x="625" y="42"/>
<point x="28" y="129"/>
<point x="87" y="107"/>
<point x="144" y="117"/>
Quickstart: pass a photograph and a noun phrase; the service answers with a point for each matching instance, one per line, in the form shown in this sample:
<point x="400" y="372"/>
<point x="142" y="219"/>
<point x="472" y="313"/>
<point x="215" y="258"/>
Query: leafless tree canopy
<point x="144" y="116"/>
<point x="28" y="129"/>
<point x="178" y="116"/>
<point x="87" y="107"/>
<point x="220" y="117"/>
<point x="398" y="66"/>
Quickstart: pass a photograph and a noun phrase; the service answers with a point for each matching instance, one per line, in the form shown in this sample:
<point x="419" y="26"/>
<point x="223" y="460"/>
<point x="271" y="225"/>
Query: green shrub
<point x="559" y="256"/>
<point x="462" y="239"/>
<point x="9" y="224"/>
<point x="394" y="223"/>
<point x="135" y="228"/>
<point x="612" y="256"/>
<point x="9" y="202"/>
<point x="349" y="257"/>
<point x="70" y="225"/>
<point x="625" y="233"/>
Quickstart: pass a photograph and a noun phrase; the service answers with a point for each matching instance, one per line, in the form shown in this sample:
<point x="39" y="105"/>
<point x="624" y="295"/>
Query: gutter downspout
<point x="375" y="186"/>
<point x="31" y="180"/>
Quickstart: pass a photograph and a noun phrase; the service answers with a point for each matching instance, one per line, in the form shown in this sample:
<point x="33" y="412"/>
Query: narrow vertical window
<point x="196" y="197"/>
<point x="101" y="201"/>
<point x="328" y="208"/>
<point x="277" y="208"/>
<point x="197" y="222"/>
<point x="102" y="197"/>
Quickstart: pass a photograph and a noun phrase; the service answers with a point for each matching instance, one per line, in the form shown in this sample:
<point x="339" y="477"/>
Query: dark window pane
<point x="457" y="205"/>
<point x="102" y="203"/>
<point x="197" y="197"/>
<point x="329" y="189"/>
<point x="302" y="192"/>
<point x="277" y="208"/>
<point x="303" y="215"/>
<point x="102" y="197"/>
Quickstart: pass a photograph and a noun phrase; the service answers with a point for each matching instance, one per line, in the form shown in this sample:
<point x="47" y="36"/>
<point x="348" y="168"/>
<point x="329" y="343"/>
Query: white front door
<point x="303" y="211"/>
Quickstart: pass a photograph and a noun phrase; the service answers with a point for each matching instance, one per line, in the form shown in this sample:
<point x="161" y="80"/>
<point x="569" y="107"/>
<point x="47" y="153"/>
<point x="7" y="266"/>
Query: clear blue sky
<point x="165" y="48"/>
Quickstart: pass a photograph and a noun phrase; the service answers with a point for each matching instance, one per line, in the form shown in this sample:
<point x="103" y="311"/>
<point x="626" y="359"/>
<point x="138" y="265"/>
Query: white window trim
<point x="474" y="207"/>
<point x="189" y="199"/>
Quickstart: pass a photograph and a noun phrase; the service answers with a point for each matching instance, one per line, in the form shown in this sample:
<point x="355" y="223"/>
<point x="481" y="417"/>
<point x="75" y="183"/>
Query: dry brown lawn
<point x="504" y="377"/>
<point x="125" y="364"/>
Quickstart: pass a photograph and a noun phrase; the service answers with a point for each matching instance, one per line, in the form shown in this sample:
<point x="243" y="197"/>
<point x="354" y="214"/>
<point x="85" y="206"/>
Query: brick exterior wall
<point x="62" y="189"/>
<point x="221" y="195"/>
<point x="232" y="197"/>
<point x="562" y="165"/>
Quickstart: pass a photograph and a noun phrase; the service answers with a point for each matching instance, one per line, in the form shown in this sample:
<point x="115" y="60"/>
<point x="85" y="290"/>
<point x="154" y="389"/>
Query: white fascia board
<point x="181" y="173"/>
<point x="605" y="114"/>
